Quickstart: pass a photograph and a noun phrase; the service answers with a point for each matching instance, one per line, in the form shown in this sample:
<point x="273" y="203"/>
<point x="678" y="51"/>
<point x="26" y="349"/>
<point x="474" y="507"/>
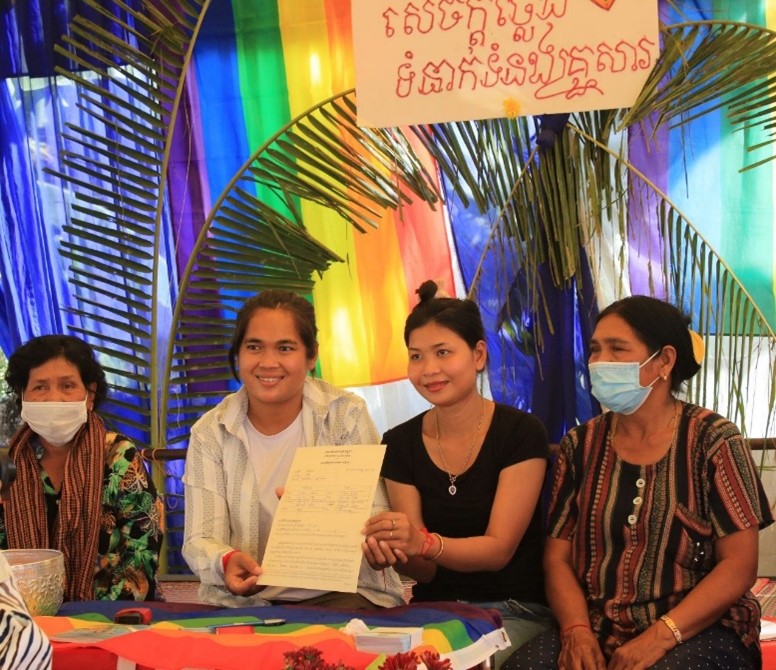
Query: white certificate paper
<point x="315" y="539"/>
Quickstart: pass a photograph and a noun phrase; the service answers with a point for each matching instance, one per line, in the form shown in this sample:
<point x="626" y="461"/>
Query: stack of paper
<point x="389" y="640"/>
<point x="767" y="629"/>
<point x="95" y="633"/>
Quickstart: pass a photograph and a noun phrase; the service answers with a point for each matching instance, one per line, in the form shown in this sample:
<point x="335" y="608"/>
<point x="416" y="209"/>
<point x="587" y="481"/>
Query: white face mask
<point x="55" y="422"/>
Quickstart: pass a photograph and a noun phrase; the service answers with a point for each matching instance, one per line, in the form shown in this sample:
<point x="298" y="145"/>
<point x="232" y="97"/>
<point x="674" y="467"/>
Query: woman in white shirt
<point x="240" y="453"/>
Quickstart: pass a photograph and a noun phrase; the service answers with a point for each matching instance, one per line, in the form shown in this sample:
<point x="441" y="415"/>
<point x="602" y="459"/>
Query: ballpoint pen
<point x="245" y="624"/>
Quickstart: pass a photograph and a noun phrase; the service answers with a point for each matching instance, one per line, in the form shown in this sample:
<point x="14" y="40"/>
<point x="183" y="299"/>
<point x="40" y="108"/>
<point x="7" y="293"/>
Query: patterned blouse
<point x="643" y="536"/>
<point x="130" y="527"/>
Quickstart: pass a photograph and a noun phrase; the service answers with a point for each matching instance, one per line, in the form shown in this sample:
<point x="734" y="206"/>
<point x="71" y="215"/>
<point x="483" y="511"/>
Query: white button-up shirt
<point x="222" y="494"/>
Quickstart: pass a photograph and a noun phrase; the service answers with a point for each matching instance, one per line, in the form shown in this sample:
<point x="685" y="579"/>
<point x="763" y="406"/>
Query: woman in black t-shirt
<point x="463" y="479"/>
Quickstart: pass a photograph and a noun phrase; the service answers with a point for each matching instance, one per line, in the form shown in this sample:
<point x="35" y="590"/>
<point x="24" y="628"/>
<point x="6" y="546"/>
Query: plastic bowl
<point x="40" y="576"/>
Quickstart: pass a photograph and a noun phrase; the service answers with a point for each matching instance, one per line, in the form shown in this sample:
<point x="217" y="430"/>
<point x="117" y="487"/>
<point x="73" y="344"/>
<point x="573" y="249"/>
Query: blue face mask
<point x="617" y="386"/>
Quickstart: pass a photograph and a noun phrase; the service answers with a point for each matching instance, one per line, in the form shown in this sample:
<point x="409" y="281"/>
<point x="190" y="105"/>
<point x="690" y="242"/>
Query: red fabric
<point x="769" y="655"/>
<point x="75" y="657"/>
<point x="224" y="652"/>
<point x="769" y="650"/>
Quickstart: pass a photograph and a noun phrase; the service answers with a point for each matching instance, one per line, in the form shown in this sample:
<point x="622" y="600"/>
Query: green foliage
<point x="9" y="413"/>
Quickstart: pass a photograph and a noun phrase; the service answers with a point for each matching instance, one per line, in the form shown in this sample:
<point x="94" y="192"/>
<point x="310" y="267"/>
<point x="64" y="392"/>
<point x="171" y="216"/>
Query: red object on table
<point x="133" y="616"/>
<point x="769" y="655"/>
<point x="76" y="657"/>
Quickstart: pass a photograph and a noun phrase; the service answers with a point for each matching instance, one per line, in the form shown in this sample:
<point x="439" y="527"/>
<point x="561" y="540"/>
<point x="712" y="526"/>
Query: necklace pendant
<point x="452" y="489"/>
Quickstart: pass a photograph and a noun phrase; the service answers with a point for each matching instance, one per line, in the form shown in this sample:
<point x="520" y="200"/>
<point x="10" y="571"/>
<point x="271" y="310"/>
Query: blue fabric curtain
<point x="29" y="29"/>
<point x="549" y="381"/>
<point x="35" y="106"/>
<point x="33" y="284"/>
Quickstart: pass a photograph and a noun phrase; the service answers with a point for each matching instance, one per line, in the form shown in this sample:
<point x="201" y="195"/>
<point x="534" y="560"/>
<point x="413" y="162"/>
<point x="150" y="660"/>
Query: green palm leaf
<point x="708" y="65"/>
<point x="321" y="156"/>
<point x="133" y="85"/>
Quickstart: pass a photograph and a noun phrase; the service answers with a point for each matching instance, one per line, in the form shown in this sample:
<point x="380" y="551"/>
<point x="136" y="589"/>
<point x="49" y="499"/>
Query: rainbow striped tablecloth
<point x="464" y="634"/>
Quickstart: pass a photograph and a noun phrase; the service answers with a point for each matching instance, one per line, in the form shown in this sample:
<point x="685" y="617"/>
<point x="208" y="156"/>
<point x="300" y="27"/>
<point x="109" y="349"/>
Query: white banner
<point x="429" y="61"/>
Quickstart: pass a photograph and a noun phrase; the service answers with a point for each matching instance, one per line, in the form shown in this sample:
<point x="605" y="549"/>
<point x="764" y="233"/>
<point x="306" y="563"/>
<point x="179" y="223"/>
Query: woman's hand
<point x="644" y="650"/>
<point x="580" y="650"/>
<point x="390" y="537"/>
<point x="241" y="574"/>
<point x="379" y="555"/>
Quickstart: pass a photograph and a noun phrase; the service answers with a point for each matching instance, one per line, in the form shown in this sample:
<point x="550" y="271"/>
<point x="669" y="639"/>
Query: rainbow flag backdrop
<point x="259" y="64"/>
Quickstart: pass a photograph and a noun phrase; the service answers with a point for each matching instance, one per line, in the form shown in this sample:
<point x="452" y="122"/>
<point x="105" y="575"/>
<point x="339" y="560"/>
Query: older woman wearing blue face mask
<point x="80" y="489"/>
<point x="655" y="512"/>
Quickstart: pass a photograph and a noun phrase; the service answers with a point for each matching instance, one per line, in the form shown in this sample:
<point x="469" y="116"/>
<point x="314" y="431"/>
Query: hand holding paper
<point x="315" y="540"/>
<point x="241" y="574"/>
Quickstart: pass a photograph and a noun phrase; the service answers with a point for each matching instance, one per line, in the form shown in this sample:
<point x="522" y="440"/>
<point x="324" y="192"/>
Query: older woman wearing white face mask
<point x="80" y="489"/>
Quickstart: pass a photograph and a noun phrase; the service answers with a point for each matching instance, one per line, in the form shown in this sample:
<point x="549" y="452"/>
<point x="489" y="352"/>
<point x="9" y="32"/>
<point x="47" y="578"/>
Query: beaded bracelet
<point x="427" y="542"/>
<point x="668" y="621"/>
<point x="441" y="547"/>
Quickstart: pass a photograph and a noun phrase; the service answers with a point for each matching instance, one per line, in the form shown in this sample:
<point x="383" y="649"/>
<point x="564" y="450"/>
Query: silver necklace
<point x="452" y="488"/>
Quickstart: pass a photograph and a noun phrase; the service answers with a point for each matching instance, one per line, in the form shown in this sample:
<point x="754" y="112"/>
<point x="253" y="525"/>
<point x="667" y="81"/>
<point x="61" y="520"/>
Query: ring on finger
<point x="393" y="524"/>
<point x="390" y="535"/>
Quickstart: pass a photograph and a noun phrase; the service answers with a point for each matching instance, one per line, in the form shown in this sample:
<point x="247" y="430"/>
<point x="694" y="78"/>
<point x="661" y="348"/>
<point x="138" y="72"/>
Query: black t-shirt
<point x="514" y="436"/>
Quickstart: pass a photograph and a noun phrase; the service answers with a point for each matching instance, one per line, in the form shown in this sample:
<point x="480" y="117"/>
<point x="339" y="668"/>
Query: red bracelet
<point x="225" y="559"/>
<point x="428" y="542"/>
<point x="575" y="625"/>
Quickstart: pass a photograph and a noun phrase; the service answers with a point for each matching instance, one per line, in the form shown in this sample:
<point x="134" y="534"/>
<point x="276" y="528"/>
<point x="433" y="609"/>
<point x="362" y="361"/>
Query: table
<point x="464" y="634"/>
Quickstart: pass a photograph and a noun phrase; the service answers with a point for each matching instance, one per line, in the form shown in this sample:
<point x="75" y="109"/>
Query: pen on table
<point x="234" y="627"/>
<point x="248" y="626"/>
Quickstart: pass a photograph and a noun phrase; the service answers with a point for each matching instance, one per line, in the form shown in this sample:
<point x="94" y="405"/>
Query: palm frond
<point x="130" y="86"/>
<point x="532" y="194"/>
<point x="536" y="216"/>
<point x="708" y="65"/>
<point x="246" y="245"/>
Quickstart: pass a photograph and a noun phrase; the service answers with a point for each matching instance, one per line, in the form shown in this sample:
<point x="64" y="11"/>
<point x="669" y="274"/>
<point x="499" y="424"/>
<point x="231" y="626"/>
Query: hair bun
<point x="427" y="290"/>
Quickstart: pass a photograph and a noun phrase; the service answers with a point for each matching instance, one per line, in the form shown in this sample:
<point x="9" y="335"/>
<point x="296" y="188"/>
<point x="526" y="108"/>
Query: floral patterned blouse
<point x="131" y="526"/>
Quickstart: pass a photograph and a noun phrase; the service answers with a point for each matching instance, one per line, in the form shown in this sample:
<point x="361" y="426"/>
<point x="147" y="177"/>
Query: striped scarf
<point x="80" y="507"/>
